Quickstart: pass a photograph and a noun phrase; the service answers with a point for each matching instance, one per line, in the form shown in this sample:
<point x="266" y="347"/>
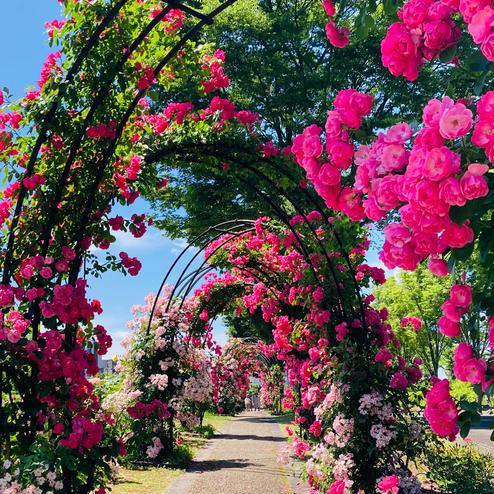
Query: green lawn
<point x="154" y="480"/>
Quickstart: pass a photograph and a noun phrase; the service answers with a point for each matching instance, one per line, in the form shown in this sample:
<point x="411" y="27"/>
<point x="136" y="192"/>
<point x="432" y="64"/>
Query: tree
<point x="281" y="65"/>
<point x="417" y="293"/>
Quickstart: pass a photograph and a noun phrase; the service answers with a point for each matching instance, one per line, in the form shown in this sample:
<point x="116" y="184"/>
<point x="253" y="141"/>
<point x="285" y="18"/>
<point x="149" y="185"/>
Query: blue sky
<point x="24" y="48"/>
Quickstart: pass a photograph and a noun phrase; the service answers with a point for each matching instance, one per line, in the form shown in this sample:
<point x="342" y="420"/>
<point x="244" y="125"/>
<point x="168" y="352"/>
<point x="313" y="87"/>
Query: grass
<point x="149" y="480"/>
<point x="154" y="480"/>
<point x="285" y="419"/>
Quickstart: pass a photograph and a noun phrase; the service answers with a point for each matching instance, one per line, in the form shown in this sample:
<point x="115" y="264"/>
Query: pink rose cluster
<point x="214" y="66"/>
<point x="141" y="410"/>
<point x="429" y="187"/>
<point x="467" y="368"/>
<point x="479" y="15"/>
<point x="457" y="305"/>
<point x="441" y="411"/>
<point x="483" y="132"/>
<point x="425" y="31"/>
<point x="85" y="434"/>
<point x="415" y="322"/>
<point x="338" y="37"/>
<point x="350" y="107"/>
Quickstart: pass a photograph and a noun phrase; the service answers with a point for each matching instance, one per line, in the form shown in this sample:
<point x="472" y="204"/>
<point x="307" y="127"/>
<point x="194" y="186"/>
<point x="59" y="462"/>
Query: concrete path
<point x="241" y="459"/>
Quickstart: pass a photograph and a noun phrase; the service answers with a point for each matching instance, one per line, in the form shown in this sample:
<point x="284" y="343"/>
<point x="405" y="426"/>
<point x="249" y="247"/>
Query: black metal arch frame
<point x="187" y="280"/>
<point x="249" y="165"/>
<point x="51" y="115"/>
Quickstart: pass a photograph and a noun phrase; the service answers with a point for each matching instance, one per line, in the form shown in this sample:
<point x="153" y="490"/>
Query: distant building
<point x="105" y="366"/>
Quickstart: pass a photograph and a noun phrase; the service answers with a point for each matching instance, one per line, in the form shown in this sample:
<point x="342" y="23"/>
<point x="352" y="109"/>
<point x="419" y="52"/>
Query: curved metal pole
<point x="92" y="42"/>
<point x="189" y="245"/>
<point x="179" y="281"/>
<point x="119" y="130"/>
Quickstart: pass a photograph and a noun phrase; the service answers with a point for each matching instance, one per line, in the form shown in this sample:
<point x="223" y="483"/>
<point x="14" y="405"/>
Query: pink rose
<point x="337" y="37"/>
<point x="473" y="186"/>
<point x="397" y="234"/>
<point x="329" y="8"/>
<point x="467" y="368"/>
<point x="389" y="485"/>
<point x="481" y="24"/>
<point x="455" y="122"/>
<point x="457" y="236"/>
<point x="329" y="175"/>
<point x="415" y="12"/>
<point x="487" y="47"/>
<point x="337" y="487"/>
<point x="461" y="295"/>
<point x="394" y="157"/>
<point x="441" y="411"/>
<point x="448" y="327"/>
<point x="439" y="267"/>
<point x="312" y="147"/>
<point x="438" y="35"/>
<point x="451" y="311"/>
<point x="485" y="106"/>
<point x="483" y="134"/>
<point x="440" y="163"/>
<point x="450" y="192"/>
<point x="432" y="113"/>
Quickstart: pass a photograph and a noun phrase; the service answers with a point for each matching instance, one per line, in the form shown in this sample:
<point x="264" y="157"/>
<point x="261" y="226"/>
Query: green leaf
<point x="459" y="214"/>
<point x="477" y="62"/>
<point x="464" y="429"/>
<point x="479" y="85"/>
<point x="448" y="54"/>
<point x="463" y="253"/>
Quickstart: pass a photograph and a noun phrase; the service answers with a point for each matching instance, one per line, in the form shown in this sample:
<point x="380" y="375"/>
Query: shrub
<point x="459" y="469"/>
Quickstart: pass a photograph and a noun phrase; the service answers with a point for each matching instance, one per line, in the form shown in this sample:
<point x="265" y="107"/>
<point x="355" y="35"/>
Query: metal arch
<point x="93" y="41"/>
<point x="179" y="281"/>
<point x="190" y="244"/>
<point x="283" y="216"/>
<point x="119" y="130"/>
<point x="314" y="201"/>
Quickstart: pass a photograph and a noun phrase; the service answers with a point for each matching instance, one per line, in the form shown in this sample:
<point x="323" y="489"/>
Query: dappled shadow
<point x="251" y="436"/>
<point x="210" y="465"/>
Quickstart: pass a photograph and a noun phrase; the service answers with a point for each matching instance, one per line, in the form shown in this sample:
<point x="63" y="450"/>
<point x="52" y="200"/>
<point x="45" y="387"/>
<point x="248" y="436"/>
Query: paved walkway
<point x="241" y="459"/>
